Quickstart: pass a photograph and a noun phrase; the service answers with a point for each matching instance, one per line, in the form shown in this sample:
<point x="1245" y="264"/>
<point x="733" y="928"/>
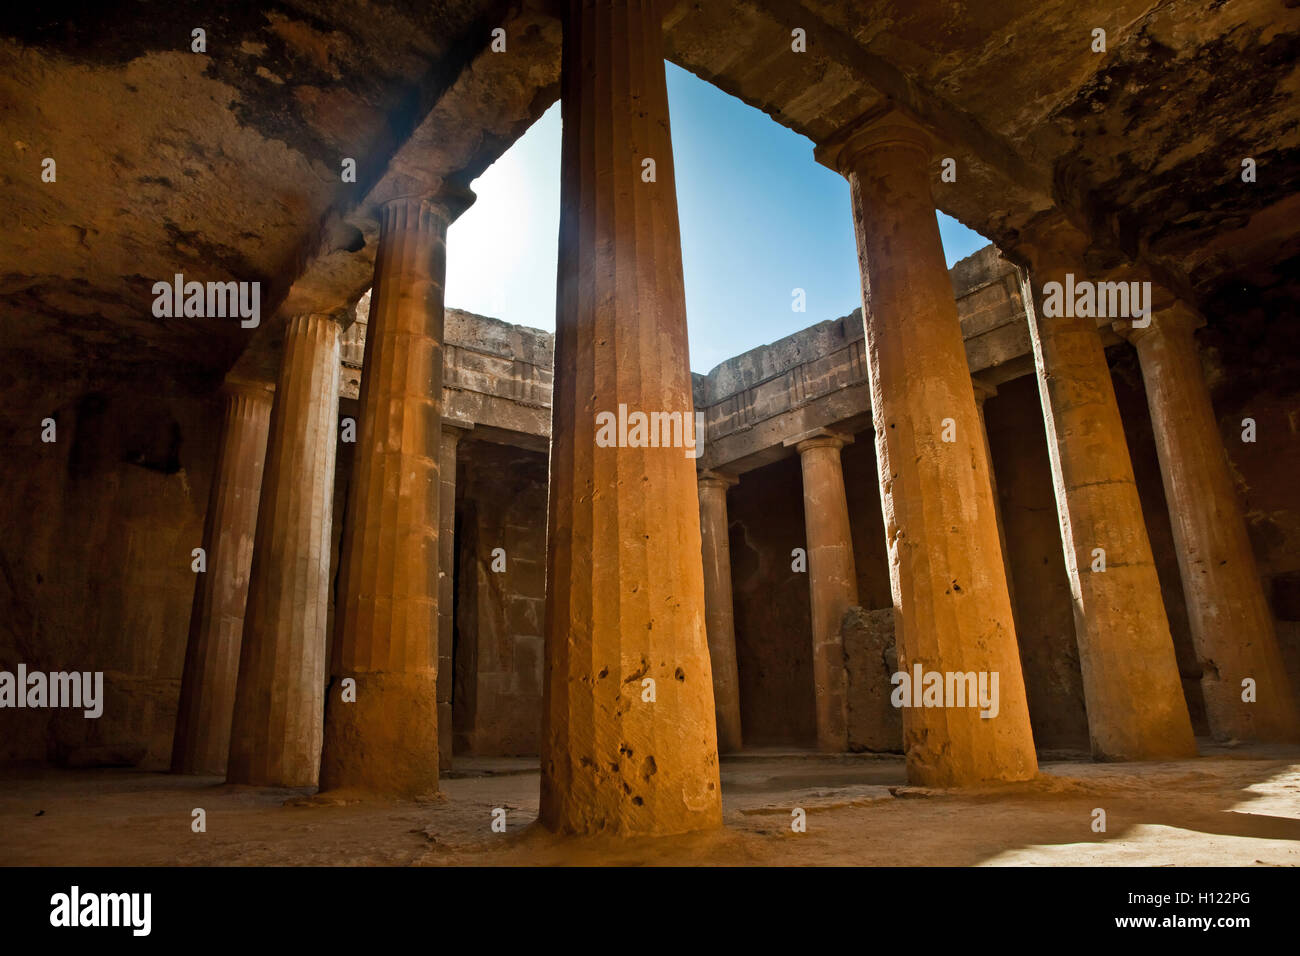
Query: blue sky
<point x="759" y="217"/>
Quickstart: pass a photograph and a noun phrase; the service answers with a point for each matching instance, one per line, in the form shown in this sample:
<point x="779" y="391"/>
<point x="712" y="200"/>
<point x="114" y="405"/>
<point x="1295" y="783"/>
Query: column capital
<point x="983" y="391"/>
<point x="1174" y="317"/>
<point x="342" y="316"/>
<point x="708" y="476"/>
<point x="456" y="428"/>
<point x="247" y="387"/>
<point x="818" y="438"/>
<point x="445" y="204"/>
<point x="1051" y="245"/>
<point x="883" y="125"/>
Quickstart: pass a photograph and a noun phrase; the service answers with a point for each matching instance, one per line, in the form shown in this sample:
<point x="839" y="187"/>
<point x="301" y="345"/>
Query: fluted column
<point x="451" y="435"/>
<point x="202" y="740"/>
<point x="628" y="739"/>
<point x="1134" y="695"/>
<point x="719" y="616"/>
<point x="386" y="636"/>
<point x="832" y="581"/>
<point x="949" y="586"/>
<point x="275" y="736"/>
<point x="1232" y="625"/>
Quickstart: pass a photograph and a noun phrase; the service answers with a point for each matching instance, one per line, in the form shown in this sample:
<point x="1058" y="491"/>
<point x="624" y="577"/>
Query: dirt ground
<point x="1233" y="807"/>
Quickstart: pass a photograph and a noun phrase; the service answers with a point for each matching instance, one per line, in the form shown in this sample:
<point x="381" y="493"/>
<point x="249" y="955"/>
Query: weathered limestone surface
<point x="871" y="660"/>
<point x="414" y="93"/>
<point x="949" y="585"/>
<point x="207" y="702"/>
<point x="275" y="737"/>
<point x="832" y="580"/>
<point x="96" y="534"/>
<point x="499" y="376"/>
<point x="1136" y="708"/>
<point x="720" y="622"/>
<point x="625" y="593"/>
<point x="1231" y="623"/>
<point x="386" y="740"/>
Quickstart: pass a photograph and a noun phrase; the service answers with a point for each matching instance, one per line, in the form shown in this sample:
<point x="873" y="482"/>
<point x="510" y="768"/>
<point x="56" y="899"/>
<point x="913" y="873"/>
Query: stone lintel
<point x="449" y="198"/>
<point x="239" y="384"/>
<point x="886" y="123"/>
<point x="818" y="436"/>
<point x="983" y="390"/>
<point x="1000" y="374"/>
<point x="1171" y="317"/>
<point x="709" y="475"/>
<point x="448" y="201"/>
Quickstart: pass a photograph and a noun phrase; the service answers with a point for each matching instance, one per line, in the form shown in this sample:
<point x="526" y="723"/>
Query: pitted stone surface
<point x="628" y="742"/>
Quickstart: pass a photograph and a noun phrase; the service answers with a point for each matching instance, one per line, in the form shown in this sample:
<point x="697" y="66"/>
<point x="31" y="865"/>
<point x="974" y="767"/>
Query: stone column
<point x="983" y="392"/>
<point x="1232" y="625"/>
<point x="1134" y="695"/>
<point x="275" y="736"/>
<point x="832" y="581"/>
<point x="386" y="636"/>
<point x="950" y="589"/>
<point x="720" y="623"/>
<point x="202" y="741"/>
<point x="628" y="738"/>
<point x="451" y="435"/>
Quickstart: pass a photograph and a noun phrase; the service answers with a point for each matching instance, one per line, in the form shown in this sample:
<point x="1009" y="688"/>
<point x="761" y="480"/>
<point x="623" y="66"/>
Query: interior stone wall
<point x="501" y="496"/>
<point x="866" y="521"/>
<point x="96" y="534"/>
<point x="772" y="607"/>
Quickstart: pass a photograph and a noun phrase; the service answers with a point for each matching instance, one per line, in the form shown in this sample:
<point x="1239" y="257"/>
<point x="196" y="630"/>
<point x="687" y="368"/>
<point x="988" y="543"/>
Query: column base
<point x="1271" y="719"/>
<point x="386" y="741"/>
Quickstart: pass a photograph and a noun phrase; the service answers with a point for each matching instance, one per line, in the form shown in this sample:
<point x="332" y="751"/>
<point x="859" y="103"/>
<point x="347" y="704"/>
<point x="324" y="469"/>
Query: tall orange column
<point x="832" y="582"/>
<point x="950" y="589"/>
<point x="202" y="741"/>
<point x="1232" y="625"/>
<point x="451" y="435"/>
<point x="719" y="614"/>
<point x="275" y="736"/>
<point x="384" y="738"/>
<point x="1134" y="695"/>
<point x="628" y="739"/>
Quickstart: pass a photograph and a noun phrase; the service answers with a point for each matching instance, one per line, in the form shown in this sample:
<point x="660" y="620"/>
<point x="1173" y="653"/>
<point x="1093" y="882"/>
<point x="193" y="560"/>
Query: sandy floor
<point x="1235" y="807"/>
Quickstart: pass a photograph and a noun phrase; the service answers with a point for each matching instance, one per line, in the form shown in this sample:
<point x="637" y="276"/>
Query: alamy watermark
<point x="1098" y="300"/>
<point x="75" y="908"/>
<point x="924" y="688"/>
<point x="651" y="430"/>
<point x="213" y="300"/>
<point x="37" y="689"/>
